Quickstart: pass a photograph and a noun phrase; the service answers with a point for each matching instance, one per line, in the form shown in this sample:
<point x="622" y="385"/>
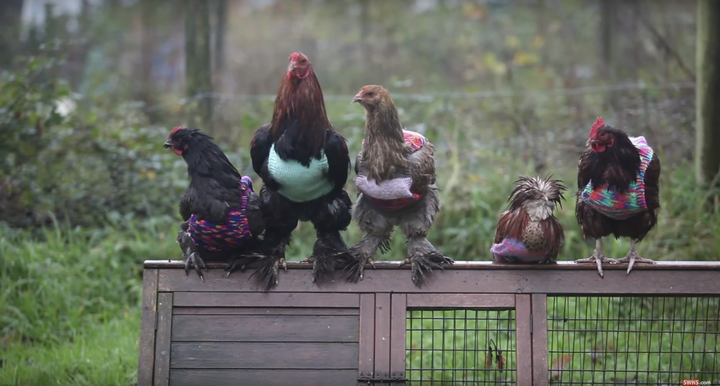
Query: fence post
<point x="539" y="340"/>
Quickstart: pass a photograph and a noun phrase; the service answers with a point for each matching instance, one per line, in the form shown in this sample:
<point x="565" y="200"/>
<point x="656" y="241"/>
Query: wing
<point x="584" y="169"/>
<point x="553" y="232"/>
<point x="259" y="151"/>
<point x="422" y="167"/>
<point x="186" y="204"/>
<point x="511" y="224"/>
<point x="338" y="158"/>
<point x="652" y="183"/>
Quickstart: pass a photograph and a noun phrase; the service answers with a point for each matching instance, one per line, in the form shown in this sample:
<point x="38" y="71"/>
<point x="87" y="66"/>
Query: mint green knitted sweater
<point x="297" y="182"/>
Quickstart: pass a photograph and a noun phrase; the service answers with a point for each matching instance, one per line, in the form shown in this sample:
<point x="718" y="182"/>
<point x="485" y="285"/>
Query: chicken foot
<point x="423" y="258"/>
<point x="362" y="254"/>
<point x="633" y="257"/>
<point x="598" y="258"/>
<point x="325" y="250"/>
<point x="190" y="252"/>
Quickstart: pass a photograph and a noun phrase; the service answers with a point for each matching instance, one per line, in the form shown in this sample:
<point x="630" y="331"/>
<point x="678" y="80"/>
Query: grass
<point x="70" y="301"/>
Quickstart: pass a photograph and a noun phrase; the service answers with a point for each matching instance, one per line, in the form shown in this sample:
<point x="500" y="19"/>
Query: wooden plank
<point x="272" y="328"/>
<point x="272" y="299"/>
<point x="382" y="337"/>
<point x="242" y="355"/>
<point x="398" y="344"/>
<point x="162" y="343"/>
<point x="701" y="281"/>
<point x="523" y="339"/>
<point x="539" y="340"/>
<point x="661" y="265"/>
<point x="147" y="327"/>
<point x="276" y="377"/>
<point x="438" y="301"/>
<point x="263" y="311"/>
<point x="366" y="350"/>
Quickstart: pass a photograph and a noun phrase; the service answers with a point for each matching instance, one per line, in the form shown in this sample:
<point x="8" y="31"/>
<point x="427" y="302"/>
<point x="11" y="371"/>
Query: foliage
<point x="70" y="300"/>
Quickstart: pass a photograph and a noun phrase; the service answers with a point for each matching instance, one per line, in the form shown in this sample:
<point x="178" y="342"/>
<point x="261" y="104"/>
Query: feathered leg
<point x="422" y="255"/>
<point x="281" y="221"/>
<point x="331" y="217"/>
<point x="633" y="257"/>
<point x="598" y="258"/>
<point x="190" y="251"/>
<point x="377" y="231"/>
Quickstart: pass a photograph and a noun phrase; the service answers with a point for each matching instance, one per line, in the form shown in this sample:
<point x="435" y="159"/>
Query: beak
<point x="167" y="144"/>
<point x="590" y="142"/>
<point x="291" y="66"/>
<point x="358" y="98"/>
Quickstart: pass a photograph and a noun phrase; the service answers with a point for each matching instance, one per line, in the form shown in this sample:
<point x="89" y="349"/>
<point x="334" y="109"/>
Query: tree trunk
<point x="707" y="126"/>
<point x="10" y="21"/>
<point x="221" y="9"/>
<point x="607" y="22"/>
<point x="197" y="64"/>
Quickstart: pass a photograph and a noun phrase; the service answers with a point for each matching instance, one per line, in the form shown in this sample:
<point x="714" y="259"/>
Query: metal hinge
<point x="531" y="324"/>
<point x="370" y="378"/>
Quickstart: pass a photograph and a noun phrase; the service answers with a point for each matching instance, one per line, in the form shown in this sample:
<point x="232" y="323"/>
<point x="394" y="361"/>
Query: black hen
<point x="221" y="213"/>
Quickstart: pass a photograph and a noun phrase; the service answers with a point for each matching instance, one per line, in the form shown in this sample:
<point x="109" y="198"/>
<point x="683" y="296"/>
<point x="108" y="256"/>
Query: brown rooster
<point x="619" y="191"/>
<point x="396" y="180"/>
<point x="528" y="232"/>
<point x="304" y="164"/>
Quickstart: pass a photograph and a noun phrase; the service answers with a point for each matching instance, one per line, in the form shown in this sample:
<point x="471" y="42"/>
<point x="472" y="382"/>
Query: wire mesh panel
<point x="460" y="347"/>
<point x="633" y="340"/>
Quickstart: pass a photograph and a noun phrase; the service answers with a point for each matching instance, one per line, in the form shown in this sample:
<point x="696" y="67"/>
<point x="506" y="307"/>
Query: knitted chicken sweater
<point x="297" y="182"/>
<point x="416" y="142"/>
<point x="229" y="235"/>
<point x="609" y="201"/>
<point x="513" y="251"/>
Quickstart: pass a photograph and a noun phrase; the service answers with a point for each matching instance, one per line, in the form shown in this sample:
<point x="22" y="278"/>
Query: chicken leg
<point x="598" y="258"/>
<point x="190" y="252"/>
<point x="377" y="230"/>
<point x="423" y="258"/>
<point x="633" y="257"/>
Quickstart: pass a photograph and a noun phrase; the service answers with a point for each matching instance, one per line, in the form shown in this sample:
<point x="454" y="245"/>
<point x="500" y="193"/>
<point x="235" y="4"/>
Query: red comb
<point x="295" y="56"/>
<point x="175" y="129"/>
<point x="597" y="125"/>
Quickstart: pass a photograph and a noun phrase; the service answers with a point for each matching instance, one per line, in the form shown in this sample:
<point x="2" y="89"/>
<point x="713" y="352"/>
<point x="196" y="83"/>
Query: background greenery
<point x="502" y="88"/>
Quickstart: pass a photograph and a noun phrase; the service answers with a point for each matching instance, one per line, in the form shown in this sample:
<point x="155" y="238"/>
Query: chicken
<point x="304" y="164"/>
<point x="222" y="215"/>
<point x="528" y="232"/>
<point x="619" y="191"/>
<point x="396" y="180"/>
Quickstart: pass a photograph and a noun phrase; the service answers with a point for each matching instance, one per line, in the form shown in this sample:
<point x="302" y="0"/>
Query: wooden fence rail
<point x="386" y="331"/>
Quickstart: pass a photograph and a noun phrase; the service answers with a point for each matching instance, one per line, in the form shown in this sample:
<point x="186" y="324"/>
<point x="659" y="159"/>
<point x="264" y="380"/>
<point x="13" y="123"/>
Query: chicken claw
<point x="633" y="257"/>
<point x="423" y="264"/>
<point x="598" y="258"/>
<point x="194" y="260"/>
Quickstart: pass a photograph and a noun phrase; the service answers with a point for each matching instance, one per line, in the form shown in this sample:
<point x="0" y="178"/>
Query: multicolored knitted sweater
<point x="227" y="236"/>
<point x="514" y="251"/>
<point x="416" y="142"/>
<point x="609" y="201"/>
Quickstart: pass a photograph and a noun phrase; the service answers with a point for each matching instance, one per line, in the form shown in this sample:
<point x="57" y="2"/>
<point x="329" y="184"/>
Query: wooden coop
<point x="476" y="323"/>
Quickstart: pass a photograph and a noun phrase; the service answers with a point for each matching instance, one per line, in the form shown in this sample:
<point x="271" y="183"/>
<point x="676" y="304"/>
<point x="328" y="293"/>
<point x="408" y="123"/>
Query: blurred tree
<point x="197" y="64"/>
<point x="10" y="23"/>
<point x="707" y="154"/>
<point x="221" y="9"/>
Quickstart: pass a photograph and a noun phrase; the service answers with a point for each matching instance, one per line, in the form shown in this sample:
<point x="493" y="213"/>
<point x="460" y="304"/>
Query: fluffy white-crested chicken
<point x="529" y="232"/>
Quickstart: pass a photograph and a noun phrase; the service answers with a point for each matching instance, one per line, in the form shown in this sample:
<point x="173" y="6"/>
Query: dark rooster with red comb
<point x="221" y="213"/>
<point x="619" y="191"/>
<point x="304" y="164"/>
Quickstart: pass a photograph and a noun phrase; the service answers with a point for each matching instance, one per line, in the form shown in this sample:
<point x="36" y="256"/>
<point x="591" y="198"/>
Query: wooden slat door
<point x="262" y="339"/>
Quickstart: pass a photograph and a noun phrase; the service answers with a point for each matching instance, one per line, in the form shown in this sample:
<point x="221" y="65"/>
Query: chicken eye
<point x="303" y="61"/>
<point x="370" y="94"/>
